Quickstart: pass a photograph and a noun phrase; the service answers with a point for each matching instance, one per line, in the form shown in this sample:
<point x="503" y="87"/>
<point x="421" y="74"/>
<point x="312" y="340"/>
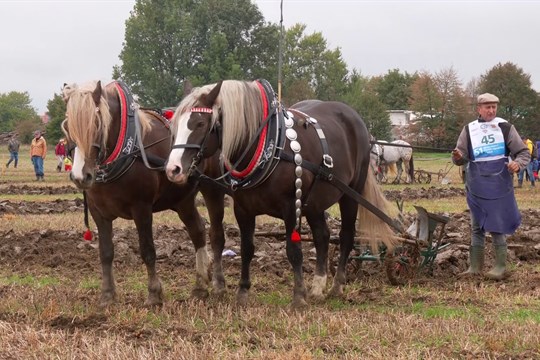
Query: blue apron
<point x="490" y="196"/>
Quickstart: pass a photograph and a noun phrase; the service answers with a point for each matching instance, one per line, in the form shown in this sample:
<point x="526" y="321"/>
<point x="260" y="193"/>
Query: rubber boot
<point x="499" y="270"/>
<point x="476" y="259"/>
<point x="520" y="183"/>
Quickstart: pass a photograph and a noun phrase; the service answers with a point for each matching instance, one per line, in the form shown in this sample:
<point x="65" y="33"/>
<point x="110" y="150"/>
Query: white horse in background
<point x="375" y="159"/>
<point x="393" y="157"/>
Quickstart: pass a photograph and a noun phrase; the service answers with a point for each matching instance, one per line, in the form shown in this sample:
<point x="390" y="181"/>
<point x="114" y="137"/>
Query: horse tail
<point x="411" y="169"/>
<point x="371" y="227"/>
<point x="392" y="169"/>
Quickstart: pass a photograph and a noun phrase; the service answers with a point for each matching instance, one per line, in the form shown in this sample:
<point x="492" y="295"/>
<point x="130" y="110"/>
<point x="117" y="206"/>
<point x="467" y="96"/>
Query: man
<point x="484" y="146"/>
<point x="38" y="152"/>
<point x="13" y="147"/>
<point x="529" y="168"/>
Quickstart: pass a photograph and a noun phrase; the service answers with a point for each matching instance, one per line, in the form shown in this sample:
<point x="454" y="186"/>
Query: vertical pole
<point x="280" y="55"/>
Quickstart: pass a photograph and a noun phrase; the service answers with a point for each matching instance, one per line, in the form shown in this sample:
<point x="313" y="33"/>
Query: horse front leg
<point x="106" y="257"/>
<point x="194" y="223"/>
<point x="246" y="224"/>
<point x="348" y="209"/>
<point x="143" y="222"/>
<point x="321" y="239"/>
<point x="215" y="204"/>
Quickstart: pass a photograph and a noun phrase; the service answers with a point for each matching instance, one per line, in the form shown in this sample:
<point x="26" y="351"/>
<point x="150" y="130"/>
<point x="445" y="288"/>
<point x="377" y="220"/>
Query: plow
<point x="416" y="250"/>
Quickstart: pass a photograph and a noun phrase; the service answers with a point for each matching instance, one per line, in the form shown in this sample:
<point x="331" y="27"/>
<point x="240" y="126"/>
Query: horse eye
<point x="200" y="125"/>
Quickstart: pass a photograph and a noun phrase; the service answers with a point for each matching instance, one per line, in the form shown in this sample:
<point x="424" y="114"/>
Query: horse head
<point x="86" y="127"/>
<point x="196" y="132"/>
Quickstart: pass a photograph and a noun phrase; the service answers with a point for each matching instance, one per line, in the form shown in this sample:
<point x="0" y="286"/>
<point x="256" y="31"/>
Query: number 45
<point x="488" y="139"/>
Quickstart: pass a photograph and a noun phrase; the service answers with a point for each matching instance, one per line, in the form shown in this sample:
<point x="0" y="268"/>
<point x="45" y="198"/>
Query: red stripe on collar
<point x="123" y="125"/>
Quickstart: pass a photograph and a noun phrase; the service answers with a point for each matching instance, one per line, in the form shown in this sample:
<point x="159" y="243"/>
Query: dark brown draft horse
<point x="107" y="165"/>
<point x="268" y="160"/>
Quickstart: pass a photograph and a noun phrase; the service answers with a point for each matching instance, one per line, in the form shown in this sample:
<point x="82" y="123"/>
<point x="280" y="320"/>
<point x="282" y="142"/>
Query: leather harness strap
<point x="325" y="174"/>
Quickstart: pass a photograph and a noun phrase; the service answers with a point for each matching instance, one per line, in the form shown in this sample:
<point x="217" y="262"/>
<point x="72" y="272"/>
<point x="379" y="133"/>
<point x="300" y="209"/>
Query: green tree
<point x="57" y="112"/>
<point x="518" y="101"/>
<point x="394" y="89"/>
<point x="368" y="105"/>
<point x="168" y="42"/>
<point x="308" y="62"/>
<point x="15" y="107"/>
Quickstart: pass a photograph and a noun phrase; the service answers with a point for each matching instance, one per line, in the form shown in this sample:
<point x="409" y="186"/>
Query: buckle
<point x="328" y="161"/>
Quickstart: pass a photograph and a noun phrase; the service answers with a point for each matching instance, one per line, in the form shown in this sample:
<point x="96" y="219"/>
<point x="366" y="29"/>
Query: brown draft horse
<point x="231" y="114"/>
<point x="119" y="185"/>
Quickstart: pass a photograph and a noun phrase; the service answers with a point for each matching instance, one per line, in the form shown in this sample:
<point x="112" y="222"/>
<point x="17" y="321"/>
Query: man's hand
<point x="456" y="155"/>
<point x="513" y="167"/>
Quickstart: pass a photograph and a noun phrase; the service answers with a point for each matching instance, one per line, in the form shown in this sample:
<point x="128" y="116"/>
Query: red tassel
<point x="295" y="236"/>
<point x="87" y="235"/>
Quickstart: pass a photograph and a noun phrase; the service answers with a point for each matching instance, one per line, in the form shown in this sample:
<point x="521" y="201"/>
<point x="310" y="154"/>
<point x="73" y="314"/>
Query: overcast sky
<point x="45" y="43"/>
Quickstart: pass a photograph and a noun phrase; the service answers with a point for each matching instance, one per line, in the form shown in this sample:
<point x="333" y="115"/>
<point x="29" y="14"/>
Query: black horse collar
<point x="272" y="147"/>
<point x="119" y="161"/>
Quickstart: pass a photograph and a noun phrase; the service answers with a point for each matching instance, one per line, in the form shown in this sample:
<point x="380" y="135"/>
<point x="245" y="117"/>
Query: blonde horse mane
<point x="239" y="104"/>
<point x="85" y="122"/>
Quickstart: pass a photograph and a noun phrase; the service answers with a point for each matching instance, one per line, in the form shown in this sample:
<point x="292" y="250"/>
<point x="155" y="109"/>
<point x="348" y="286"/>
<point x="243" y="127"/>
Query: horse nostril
<point x="177" y="170"/>
<point x="88" y="178"/>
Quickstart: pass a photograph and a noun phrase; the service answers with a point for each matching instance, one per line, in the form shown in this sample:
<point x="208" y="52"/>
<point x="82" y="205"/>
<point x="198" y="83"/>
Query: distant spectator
<point x="13" y="147"/>
<point x="529" y="169"/>
<point x="60" y="152"/>
<point x="67" y="164"/>
<point x="38" y="152"/>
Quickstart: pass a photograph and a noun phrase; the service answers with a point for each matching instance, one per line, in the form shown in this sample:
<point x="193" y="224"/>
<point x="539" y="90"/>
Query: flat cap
<point x="487" y="98"/>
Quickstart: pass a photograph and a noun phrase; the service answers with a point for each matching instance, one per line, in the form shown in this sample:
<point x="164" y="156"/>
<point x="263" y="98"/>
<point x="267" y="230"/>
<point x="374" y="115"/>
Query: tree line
<point x="170" y="43"/>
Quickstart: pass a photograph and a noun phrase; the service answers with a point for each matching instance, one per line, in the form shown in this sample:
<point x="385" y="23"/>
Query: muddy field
<point x="67" y="250"/>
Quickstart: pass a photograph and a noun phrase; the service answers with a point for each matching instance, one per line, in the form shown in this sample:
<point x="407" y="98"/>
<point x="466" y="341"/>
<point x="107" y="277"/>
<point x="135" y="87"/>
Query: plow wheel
<point x="423" y="177"/>
<point x="402" y="266"/>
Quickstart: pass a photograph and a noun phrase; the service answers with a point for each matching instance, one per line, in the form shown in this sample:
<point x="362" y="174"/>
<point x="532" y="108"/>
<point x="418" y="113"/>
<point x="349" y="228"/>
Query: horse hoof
<point x="242" y="298"/>
<point x="299" y="304"/>
<point x="317" y="298"/>
<point x="107" y="299"/>
<point x="200" y="294"/>
<point x="219" y="292"/>
<point x="336" y="291"/>
<point x="151" y="303"/>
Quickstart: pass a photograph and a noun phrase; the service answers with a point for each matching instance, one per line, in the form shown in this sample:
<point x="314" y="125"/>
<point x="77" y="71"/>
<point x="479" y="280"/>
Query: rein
<point x="410" y="146"/>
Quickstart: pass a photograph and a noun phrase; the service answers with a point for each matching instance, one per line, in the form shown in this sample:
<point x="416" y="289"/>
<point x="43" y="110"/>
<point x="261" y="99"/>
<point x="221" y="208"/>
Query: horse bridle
<point x="101" y="153"/>
<point x="215" y="129"/>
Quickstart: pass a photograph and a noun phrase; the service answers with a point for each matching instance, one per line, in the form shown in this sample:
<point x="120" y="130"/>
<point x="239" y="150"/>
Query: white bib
<point x="487" y="140"/>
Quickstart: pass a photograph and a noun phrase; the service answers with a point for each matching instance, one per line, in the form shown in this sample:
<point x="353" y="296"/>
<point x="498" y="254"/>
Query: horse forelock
<point x="241" y="107"/>
<point x="85" y="121"/>
<point x="238" y="104"/>
<point x="190" y="101"/>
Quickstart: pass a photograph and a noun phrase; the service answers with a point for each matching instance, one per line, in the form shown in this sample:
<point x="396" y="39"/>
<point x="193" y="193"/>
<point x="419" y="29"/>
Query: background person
<point x="60" y="152"/>
<point x="13" y="147"/>
<point x="38" y="152"/>
<point x="485" y="145"/>
<point x="529" y="167"/>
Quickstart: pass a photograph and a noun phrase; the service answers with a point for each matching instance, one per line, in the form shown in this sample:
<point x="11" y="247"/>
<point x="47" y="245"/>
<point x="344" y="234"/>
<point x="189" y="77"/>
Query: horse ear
<point x="96" y="94"/>
<point x="210" y="99"/>
<point x="188" y="87"/>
